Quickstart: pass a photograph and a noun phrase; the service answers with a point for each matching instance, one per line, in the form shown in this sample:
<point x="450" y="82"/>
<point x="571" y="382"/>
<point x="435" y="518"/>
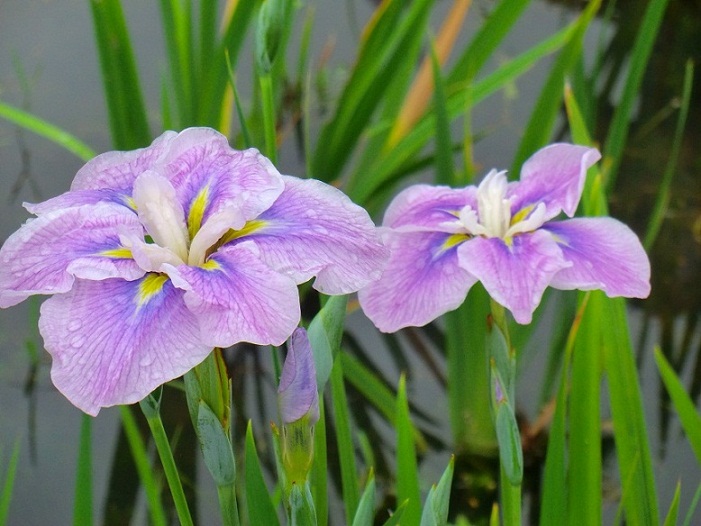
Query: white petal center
<point x="161" y="213"/>
<point x="493" y="215"/>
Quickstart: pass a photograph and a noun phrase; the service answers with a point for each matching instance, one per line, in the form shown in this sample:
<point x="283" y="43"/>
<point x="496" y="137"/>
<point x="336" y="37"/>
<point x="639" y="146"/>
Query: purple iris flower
<point x="443" y="240"/>
<point x="297" y="393"/>
<point x="157" y="255"/>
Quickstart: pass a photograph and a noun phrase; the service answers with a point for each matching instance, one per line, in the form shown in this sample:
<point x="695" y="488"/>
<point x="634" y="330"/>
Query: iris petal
<point x="115" y="341"/>
<point x="237" y="297"/>
<point x="554" y="176"/>
<point x="209" y="176"/>
<point x="422" y="281"/>
<point x="315" y="229"/>
<point x="515" y="274"/>
<point x="605" y="254"/>
<point x="47" y="253"/>
<point x="428" y="206"/>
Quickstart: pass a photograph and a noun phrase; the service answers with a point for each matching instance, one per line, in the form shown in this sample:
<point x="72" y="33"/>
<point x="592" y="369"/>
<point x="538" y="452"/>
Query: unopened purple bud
<point x="297" y="393"/>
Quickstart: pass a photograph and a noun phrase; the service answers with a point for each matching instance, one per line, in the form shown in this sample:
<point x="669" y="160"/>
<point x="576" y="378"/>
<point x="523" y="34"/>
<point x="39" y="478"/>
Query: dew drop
<point x="77" y="341"/>
<point x="74" y="325"/>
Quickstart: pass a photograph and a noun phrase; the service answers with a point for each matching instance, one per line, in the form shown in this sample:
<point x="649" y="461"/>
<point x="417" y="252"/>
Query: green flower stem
<point x="266" y="88"/>
<point x="228" y="505"/>
<point x="510" y="493"/>
<point x="166" y="455"/>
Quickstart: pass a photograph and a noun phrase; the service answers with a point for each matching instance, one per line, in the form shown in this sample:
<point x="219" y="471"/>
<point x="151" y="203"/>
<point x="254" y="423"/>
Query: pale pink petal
<point x="118" y="170"/>
<point x="516" y="274"/>
<point x="297" y="392"/>
<point x="605" y="254"/>
<point x="47" y="253"/>
<point x="236" y="297"/>
<point x="115" y="341"/>
<point x="422" y="281"/>
<point x="209" y="176"/>
<point x="428" y="206"/>
<point x="313" y="229"/>
<point x="555" y="176"/>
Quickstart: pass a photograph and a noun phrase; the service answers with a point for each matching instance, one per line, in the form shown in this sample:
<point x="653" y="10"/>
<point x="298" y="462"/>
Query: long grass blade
<point x="143" y="466"/>
<point x="8" y="484"/>
<point x="688" y="416"/>
<point x="366" y="88"/>
<point x="260" y="507"/>
<point x="83" y="503"/>
<point x="640" y="54"/>
<point x="540" y="125"/>
<point x="663" y="194"/>
<point x="673" y="513"/>
<point x="407" y="470"/>
<point x="365" y="183"/>
<point x="127" y="113"/>
<point x="41" y="127"/>
<point x="346" y="450"/>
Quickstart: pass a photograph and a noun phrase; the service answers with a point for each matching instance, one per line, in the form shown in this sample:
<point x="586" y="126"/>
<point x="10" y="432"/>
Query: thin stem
<point x="228" y="505"/>
<point x="166" y="455"/>
<point x="510" y="493"/>
<point x="266" y="88"/>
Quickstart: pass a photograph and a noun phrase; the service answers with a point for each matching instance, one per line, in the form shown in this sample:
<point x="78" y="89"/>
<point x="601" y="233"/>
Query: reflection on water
<point x="62" y="84"/>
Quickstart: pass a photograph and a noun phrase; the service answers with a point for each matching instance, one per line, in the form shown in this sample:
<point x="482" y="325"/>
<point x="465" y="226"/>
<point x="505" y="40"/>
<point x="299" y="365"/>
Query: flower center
<point x="493" y="216"/>
<point x="161" y="213"/>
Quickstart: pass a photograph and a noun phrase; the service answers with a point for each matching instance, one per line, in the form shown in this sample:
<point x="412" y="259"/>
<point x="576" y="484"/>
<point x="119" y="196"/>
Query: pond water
<point x="48" y="65"/>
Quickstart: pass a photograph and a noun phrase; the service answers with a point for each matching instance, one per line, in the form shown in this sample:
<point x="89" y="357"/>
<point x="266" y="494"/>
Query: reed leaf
<point x="49" y="131"/>
<point x="83" y="503"/>
<point x="640" y="54"/>
<point x="127" y="113"/>
<point x="407" y="470"/>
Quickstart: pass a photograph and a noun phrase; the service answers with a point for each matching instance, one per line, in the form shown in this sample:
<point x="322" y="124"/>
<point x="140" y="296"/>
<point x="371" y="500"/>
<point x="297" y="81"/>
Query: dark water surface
<point x="48" y="65"/>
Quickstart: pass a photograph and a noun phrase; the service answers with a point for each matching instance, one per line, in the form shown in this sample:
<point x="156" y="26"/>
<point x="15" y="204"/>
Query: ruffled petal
<point x="555" y="176"/>
<point x="516" y="274"/>
<point x="428" y="206"/>
<point x="210" y="176"/>
<point x="115" y="341"/>
<point x="313" y="229"/>
<point x="297" y="393"/>
<point x="605" y="254"/>
<point x="422" y="281"/>
<point x="236" y="297"/>
<point x="80" y="198"/>
<point x="118" y="170"/>
<point x="47" y="253"/>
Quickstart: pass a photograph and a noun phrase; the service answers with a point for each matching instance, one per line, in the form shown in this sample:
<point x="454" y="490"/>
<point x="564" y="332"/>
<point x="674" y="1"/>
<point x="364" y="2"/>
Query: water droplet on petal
<point x="77" y="341"/>
<point x="74" y="325"/>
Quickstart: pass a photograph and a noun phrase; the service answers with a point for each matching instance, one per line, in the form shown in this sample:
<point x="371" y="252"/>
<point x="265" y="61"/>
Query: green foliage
<point x="8" y="484"/>
<point x="82" y="504"/>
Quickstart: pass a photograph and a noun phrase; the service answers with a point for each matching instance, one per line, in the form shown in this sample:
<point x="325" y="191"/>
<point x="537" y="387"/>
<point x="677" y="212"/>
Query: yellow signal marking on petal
<point x="522" y="214"/>
<point x="197" y="208"/>
<point x="117" y="253"/>
<point x="454" y="240"/>
<point x="210" y="265"/>
<point x="129" y="201"/>
<point x="151" y="285"/>
<point x="248" y="228"/>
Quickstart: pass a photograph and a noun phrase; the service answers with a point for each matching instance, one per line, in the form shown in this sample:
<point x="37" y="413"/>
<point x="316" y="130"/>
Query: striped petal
<point x="554" y="176"/>
<point x="423" y="280"/>
<point x="117" y="171"/>
<point x="209" y="176"/>
<point x="47" y="253"/>
<point x="428" y="206"/>
<point x="115" y="341"/>
<point x="236" y="297"/>
<point x="605" y="254"/>
<point x="313" y="229"/>
<point x="517" y="273"/>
